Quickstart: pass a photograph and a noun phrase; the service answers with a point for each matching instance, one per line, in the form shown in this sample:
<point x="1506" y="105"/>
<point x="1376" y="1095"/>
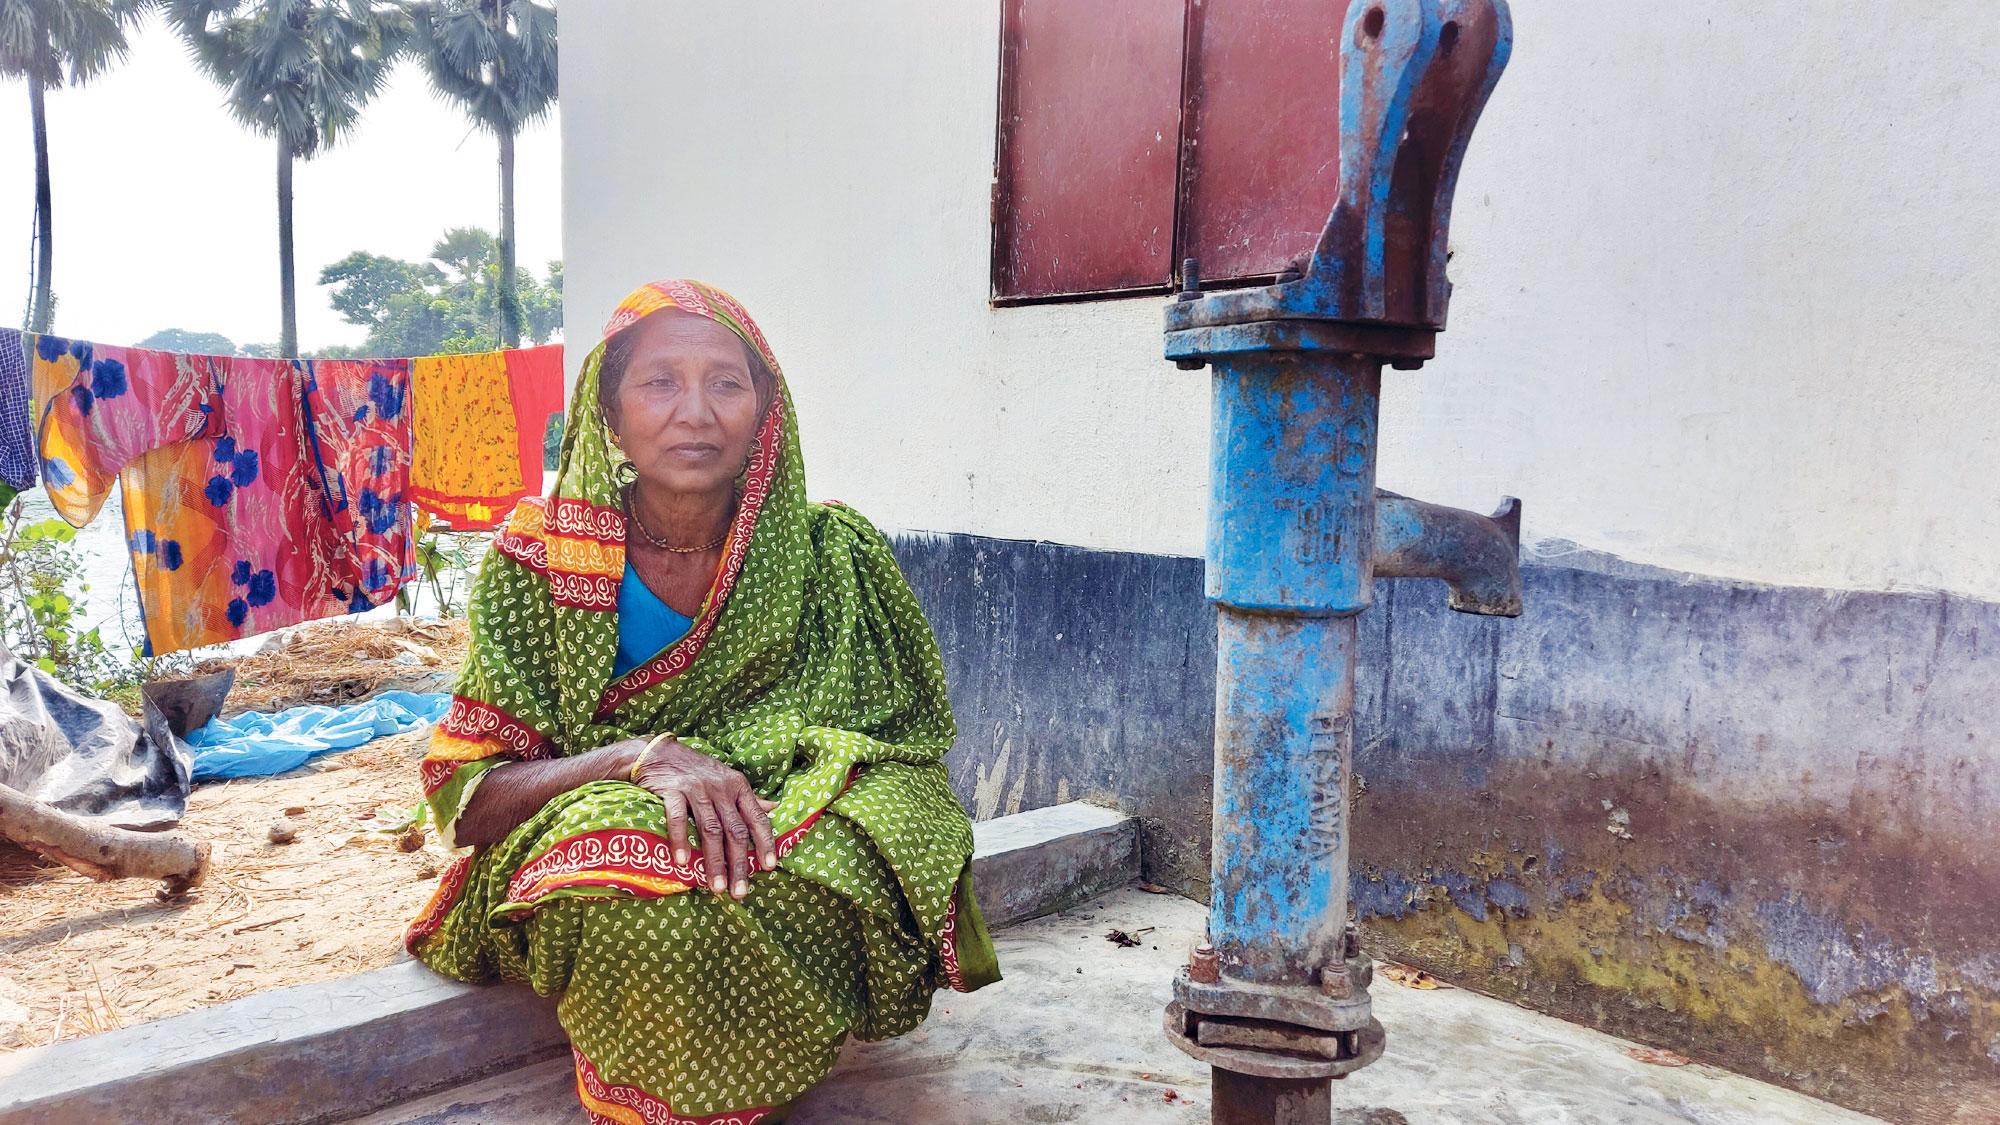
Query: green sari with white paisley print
<point x="811" y="669"/>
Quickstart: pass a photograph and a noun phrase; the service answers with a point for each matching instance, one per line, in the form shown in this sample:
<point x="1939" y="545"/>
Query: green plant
<point x="42" y="566"/>
<point x="446" y="563"/>
<point x="43" y="622"/>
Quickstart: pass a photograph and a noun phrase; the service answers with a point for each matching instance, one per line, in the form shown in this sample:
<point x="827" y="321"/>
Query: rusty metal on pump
<point x="1276" y="1000"/>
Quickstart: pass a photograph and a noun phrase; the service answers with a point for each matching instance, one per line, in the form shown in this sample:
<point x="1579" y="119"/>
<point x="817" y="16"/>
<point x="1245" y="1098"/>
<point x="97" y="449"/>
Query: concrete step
<point x="334" y="1050"/>
<point x="1073" y="1034"/>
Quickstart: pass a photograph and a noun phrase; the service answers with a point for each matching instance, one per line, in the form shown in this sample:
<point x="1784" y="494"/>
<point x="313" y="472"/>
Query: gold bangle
<point x="632" y="775"/>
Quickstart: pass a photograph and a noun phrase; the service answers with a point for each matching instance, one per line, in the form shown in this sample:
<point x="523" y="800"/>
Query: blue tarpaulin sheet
<point x="255" y="744"/>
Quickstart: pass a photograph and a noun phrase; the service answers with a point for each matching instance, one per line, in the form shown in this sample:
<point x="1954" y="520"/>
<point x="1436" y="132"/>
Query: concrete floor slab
<point x="1073" y="1034"/>
<point x="329" y="1050"/>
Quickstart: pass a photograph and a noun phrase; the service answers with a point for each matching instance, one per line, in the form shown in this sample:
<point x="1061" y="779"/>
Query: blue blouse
<point x="646" y="625"/>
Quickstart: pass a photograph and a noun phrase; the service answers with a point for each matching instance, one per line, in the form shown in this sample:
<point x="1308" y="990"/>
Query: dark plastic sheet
<point x="88" y="758"/>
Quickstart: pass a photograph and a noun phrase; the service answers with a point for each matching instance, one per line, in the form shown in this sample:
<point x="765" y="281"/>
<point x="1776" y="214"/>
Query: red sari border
<point x="580" y="519"/>
<point x="678" y="656"/>
<point x="470" y="720"/>
<point x="608" y="1103"/>
<point x="435" y="773"/>
<point x="475" y="720"/>
<point x="530" y="551"/>
<point x="567" y="518"/>
<point x="450" y="885"/>
<point x="583" y="591"/>
<point x="630" y="859"/>
<point x="948" y="948"/>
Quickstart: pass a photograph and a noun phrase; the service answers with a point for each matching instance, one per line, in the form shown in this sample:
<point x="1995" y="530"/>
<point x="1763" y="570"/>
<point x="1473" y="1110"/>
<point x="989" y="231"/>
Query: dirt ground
<point x="78" y="957"/>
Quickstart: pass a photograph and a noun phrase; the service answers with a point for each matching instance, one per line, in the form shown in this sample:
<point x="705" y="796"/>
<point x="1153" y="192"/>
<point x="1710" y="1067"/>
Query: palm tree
<point x="49" y="42"/>
<point x="298" y="71"/>
<point x="496" y="60"/>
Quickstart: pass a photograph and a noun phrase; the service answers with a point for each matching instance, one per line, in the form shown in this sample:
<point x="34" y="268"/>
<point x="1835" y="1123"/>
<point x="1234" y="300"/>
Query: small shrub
<point x="43" y="622"/>
<point x="447" y="562"/>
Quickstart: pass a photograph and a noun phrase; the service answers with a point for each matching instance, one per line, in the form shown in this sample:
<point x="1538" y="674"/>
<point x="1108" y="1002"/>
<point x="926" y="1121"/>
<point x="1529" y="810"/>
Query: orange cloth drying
<point x="479" y="421"/>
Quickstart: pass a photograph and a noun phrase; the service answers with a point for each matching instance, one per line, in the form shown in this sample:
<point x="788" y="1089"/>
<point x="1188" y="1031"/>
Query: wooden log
<point x="101" y="851"/>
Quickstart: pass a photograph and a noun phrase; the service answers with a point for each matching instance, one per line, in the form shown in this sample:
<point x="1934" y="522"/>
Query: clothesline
<point x="260" y="493"/>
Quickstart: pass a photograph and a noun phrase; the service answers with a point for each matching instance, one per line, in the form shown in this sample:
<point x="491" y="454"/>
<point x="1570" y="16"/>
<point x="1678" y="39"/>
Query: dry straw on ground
<point x="334" y="662"/>
<point x="77" y="957"/>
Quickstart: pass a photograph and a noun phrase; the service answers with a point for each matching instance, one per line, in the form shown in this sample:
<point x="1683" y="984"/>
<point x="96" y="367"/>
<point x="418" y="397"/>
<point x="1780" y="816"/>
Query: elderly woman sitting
<point x="697" y="747"/>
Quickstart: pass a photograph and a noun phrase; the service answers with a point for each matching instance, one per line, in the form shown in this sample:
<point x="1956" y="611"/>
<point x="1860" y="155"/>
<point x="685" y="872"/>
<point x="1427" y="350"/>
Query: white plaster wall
<point x="1726" y="280"/>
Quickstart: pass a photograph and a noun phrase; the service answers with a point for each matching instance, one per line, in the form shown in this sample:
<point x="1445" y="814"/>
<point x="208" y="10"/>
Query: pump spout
<point x="1479" y="557"/>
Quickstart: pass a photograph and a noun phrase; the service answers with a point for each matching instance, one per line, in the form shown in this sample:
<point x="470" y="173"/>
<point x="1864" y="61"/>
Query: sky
<point x="166" y="209"/>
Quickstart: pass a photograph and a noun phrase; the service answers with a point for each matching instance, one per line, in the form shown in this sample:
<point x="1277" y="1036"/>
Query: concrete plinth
<point x="324" y="1052"/>
<point x="1073" y="1034"/>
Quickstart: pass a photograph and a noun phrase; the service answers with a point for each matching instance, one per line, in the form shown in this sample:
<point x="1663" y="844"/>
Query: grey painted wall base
<point x="1751" y="822"/>
<point x="329" y="1051"/>
<point x="1077" y="674"/>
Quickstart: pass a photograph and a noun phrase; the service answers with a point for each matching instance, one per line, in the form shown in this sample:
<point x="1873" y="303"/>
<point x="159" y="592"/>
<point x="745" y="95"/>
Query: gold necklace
<point x="645" y="533"/>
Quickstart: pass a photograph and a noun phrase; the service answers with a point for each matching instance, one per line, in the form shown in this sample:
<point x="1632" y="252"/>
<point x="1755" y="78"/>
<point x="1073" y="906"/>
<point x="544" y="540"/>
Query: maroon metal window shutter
<point x="1261" y="168"/>
<point x="1089" y="146"/>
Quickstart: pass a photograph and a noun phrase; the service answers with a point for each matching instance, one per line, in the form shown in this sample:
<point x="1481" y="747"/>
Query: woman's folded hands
<point x="735" y="823"/>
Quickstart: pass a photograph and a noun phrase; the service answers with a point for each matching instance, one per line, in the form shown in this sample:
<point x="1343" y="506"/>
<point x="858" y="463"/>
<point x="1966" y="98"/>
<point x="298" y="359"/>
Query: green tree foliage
<point x="299" y="72"/>
<point x="48" y="43"/>
<point x="189" y="343"/>
<point x="370" y="283"/>
<point x="446" y="304"/>
<point x="496" y="61"/>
